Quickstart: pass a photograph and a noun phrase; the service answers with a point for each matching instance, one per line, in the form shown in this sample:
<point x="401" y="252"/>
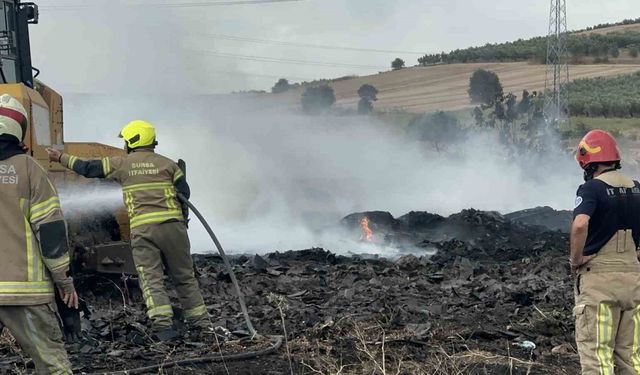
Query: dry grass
<point x="281" y="304"/>
<point x="444" y="87"/>
<point x="367" y="348"/>
<point x="7" y="341"/>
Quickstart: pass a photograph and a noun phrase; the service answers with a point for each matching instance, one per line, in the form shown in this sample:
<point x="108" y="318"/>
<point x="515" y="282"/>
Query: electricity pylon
<point x="556" y="103"/>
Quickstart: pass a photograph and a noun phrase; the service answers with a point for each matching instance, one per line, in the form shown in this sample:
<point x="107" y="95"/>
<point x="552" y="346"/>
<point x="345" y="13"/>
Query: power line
<point x="305" y="45"/>
<point x="170" y="5"/>
<point x="223" y="72"/>
<point x="287" y="61"/>
<point x="223" y="3"/>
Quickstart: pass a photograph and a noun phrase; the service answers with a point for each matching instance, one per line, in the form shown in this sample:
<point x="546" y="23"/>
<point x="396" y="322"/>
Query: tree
<point x="512" y="111"/>
<point x="633" y="51"/>
<point x="397" y="64"/>
<point x="316" y="99"/>
<point x="498" y="110"/>
<point x="364" y="106"/>
<point x="368" y="91"/>
<point x="438" y="128"/>
<point x="281" y="86"/>
<point x="368" y="94"/>
<point x="478" y="116"/>
<point x="484" y="87"/>
<point x="525" y="103"/>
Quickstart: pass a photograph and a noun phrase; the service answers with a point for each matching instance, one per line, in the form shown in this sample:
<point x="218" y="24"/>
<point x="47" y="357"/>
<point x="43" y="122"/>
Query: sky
<point x="200" y="47"/>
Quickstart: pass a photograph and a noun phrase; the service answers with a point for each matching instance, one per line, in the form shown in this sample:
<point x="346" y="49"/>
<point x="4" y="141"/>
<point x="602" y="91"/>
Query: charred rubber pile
<point x="496" y="298"/>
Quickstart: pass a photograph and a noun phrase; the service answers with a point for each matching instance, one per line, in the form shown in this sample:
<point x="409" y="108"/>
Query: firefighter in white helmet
<point x="34" y="248"/>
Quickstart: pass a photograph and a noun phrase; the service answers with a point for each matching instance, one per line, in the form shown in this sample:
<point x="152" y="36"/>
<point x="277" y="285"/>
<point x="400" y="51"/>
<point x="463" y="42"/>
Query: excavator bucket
<point x="114" y="258"/>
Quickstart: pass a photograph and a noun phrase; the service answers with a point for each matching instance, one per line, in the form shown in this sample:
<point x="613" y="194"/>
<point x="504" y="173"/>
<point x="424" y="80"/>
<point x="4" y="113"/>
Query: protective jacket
<point x="149" y="184"/>
<point x="612" y="201"/>
<point x="34" y="245"/>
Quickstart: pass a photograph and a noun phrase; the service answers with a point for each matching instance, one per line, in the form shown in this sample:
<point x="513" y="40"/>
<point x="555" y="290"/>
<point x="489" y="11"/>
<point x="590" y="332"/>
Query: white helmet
<point x="13" y="117"/>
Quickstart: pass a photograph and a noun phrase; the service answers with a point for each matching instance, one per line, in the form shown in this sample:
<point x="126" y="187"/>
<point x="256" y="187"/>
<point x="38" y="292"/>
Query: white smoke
<point x="265" y="178"/>
<point x="272" y="180"/>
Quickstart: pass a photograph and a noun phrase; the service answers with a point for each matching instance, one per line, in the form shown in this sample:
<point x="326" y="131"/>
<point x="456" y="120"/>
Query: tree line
<point x="600" y="47"/>
<point x="629" y="21"/>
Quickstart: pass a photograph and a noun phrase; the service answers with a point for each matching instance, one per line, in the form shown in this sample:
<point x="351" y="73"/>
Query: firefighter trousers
<point x="607" y="310"/>
<point x="37" y="331"/>
<point x="161" y="247"/>
<point x="608" y="324"/>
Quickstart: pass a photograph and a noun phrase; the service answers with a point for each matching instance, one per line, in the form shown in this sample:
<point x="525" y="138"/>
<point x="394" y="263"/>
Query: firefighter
<point x="34" y="248"/>
<point x="150" y="183"/>
<point x="604" y="237"/>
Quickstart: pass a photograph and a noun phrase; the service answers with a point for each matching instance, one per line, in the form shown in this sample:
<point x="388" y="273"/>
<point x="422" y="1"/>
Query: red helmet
<point x="598" y="146"/>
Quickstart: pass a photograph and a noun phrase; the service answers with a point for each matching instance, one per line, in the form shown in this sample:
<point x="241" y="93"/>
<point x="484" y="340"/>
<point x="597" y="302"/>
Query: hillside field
<point x="444" y="87"/>
<point x="613" y="29"/>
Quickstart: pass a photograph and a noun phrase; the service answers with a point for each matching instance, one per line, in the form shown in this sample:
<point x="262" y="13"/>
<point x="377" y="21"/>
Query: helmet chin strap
<point x="151" y="147"/>
<point x="591" y="169"/>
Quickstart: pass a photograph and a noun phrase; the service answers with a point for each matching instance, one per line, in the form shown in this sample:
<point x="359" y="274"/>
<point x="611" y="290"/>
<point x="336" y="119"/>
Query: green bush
<point x="316" y="99"/>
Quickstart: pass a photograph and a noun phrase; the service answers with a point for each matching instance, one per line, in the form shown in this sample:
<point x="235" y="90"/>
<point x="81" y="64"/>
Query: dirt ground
<point x="495" y="299"/>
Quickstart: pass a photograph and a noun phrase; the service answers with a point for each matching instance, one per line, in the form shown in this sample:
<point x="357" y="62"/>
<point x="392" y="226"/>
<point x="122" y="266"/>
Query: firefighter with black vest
<point x="159" y="240"/>
<point x="605" y="235"/>
<point x="34" y="248"/>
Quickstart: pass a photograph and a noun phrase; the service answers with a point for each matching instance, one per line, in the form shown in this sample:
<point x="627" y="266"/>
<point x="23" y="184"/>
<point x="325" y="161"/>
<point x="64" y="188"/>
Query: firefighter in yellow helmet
<point x="34" y="248"/>
<point x="150" y="183"/>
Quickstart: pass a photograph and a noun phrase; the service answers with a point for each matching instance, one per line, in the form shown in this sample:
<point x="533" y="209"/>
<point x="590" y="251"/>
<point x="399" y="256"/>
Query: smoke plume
<point x="270" y="179"/>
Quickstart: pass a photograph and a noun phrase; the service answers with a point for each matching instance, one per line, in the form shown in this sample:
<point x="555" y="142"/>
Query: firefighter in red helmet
<point x="604" y="237"/>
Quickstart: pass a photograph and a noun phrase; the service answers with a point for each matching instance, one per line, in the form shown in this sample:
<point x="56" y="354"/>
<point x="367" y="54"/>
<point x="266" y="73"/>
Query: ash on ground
<point x="496" y="298"/>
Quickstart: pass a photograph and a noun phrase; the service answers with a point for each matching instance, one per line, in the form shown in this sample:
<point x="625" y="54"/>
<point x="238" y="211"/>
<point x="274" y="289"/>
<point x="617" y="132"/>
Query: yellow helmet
<point x="139" y="133"/>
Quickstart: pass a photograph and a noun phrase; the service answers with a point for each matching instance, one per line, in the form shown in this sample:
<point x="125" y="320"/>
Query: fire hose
<point x="227" y="265"/>
<point x="276" y="341"/>
<point x="201" y="360"/>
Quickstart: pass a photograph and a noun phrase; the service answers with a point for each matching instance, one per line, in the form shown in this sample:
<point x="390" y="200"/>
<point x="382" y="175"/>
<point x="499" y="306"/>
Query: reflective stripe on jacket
<point x="149" y="183"/>
<point x="33" y="234"/>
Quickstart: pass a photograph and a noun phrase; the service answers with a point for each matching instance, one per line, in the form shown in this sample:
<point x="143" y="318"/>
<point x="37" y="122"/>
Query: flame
<point x="367" y="233"/>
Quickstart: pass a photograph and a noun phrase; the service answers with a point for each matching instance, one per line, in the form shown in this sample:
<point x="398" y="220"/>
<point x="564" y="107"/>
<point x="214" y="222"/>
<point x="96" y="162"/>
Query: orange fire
<point x="367" y="233"/>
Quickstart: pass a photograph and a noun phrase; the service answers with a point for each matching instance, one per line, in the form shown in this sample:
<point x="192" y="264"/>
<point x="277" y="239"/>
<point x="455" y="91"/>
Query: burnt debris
<point x="496" y="298"/>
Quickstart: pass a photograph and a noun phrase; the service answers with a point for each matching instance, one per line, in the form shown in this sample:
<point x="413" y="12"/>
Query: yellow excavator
<point x="99" y="243"/>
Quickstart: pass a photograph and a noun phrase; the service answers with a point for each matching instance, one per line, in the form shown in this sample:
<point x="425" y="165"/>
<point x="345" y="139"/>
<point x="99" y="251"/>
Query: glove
<point x="185" y="214"/>
<point x="71" y="325"/>
<point x="65" y="284"/>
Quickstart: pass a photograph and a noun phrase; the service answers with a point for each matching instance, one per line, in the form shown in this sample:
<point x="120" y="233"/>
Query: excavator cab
<point x="15" y="53"/>
<point x="107" y="252"/>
